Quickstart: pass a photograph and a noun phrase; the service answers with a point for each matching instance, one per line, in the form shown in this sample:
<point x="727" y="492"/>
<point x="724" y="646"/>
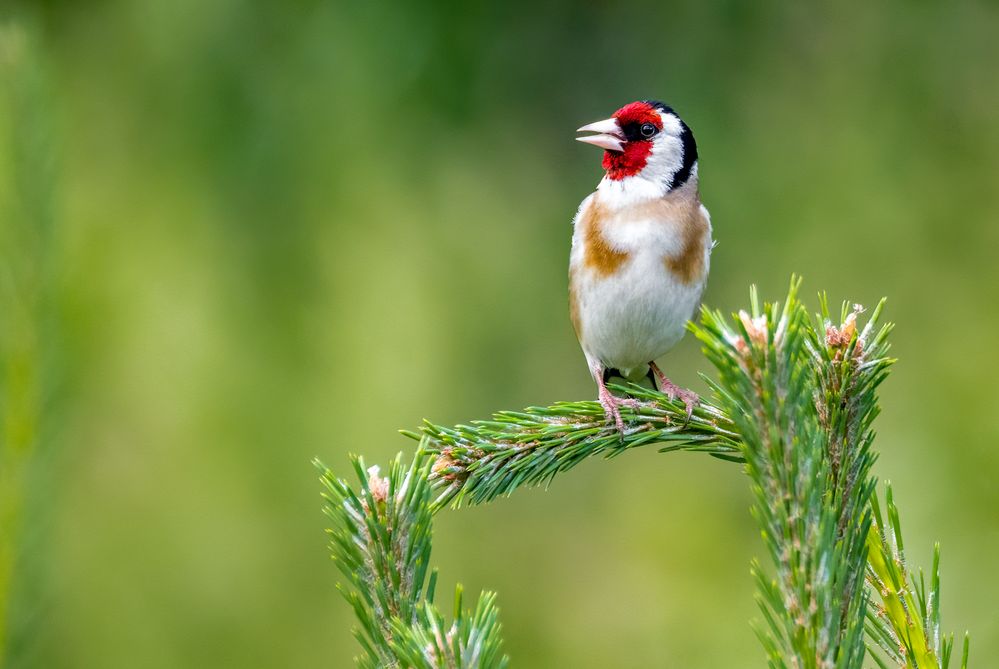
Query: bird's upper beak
<point x="609" y="135"/>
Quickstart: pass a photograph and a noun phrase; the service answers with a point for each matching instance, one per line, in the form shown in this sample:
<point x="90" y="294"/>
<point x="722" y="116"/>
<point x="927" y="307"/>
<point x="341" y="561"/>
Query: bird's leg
<point x="630" y="402"/>
<point x="672" y="391"/>
<point x="607" y="400"/>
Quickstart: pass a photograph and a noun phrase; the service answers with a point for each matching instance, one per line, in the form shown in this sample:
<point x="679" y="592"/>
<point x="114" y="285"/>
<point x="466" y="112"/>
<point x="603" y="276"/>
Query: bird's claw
<point x="673" y="391"/>
<point x="690" y="400"/>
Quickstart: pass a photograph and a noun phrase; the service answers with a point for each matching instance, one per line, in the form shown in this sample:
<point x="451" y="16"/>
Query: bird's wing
<point x="574" y="255"/>
<point x="707" y="261"/>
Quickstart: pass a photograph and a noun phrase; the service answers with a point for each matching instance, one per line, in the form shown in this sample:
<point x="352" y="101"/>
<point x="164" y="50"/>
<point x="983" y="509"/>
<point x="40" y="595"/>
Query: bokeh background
<point x="241" y="235"/>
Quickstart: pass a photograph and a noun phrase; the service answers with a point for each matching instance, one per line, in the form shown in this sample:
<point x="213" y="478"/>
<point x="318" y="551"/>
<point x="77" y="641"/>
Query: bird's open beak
<point x="609" y="135"/>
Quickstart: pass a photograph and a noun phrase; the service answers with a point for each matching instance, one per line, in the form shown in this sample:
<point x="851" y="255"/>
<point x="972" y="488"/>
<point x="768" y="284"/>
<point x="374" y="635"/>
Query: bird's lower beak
<point x="609" y="135"/>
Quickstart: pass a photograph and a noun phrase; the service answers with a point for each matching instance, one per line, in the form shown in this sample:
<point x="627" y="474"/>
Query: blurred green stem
<point x="26" y="214"/>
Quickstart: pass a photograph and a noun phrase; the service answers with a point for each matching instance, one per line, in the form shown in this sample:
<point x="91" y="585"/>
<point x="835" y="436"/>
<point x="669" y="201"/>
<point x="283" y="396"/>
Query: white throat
<point x="621" y="193"/>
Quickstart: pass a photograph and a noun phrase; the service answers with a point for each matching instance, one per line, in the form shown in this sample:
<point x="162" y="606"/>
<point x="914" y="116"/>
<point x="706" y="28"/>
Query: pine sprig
<point x="905" y="625"/>
<point x="848" y="366"/>
<point x="485" y="459"/>
<point x="381" y="541"/>
<point x="472" y="640"/>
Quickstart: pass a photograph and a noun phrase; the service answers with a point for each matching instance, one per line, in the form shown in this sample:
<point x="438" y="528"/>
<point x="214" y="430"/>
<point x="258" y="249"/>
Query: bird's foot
<point x="672" y="391"/>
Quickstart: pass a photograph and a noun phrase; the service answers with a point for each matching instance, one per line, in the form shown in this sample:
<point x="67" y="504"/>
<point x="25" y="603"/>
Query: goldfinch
<point x="641" y="246"/>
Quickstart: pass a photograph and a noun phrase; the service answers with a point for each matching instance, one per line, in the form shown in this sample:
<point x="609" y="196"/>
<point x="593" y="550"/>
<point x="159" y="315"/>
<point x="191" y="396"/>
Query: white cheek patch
<point x="665" y="160"/>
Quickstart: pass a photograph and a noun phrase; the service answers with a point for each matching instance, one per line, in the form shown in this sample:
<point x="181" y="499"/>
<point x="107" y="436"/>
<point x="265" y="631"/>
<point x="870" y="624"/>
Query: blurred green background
<point x="247" y="234"/>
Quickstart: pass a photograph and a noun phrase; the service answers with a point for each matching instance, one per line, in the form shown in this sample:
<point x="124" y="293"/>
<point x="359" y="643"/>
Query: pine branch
<point x="381" y="541"/>
<point x="795" y="402"/>
<point x="478" y="462"/>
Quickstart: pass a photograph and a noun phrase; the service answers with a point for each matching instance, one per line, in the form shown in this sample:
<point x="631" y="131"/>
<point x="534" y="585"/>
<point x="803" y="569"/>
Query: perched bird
<point x="641" y="245"/>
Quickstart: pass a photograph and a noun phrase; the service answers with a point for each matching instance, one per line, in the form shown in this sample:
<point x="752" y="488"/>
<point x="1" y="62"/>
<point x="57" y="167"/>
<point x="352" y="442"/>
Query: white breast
<point x="638" y="312"/>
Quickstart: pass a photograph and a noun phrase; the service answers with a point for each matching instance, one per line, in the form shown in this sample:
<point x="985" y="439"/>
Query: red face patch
<point x="631" y="161"/>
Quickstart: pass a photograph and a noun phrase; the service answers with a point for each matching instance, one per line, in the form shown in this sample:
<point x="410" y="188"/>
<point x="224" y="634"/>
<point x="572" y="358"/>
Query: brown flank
<point x="577" y="323"/>
<point x="688" y="266"/>
<point x="599" y="256"/>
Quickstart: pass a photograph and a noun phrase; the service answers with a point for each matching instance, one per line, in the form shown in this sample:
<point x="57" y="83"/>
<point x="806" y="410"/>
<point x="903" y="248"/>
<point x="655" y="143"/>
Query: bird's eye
<point x="647" y="130"/>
